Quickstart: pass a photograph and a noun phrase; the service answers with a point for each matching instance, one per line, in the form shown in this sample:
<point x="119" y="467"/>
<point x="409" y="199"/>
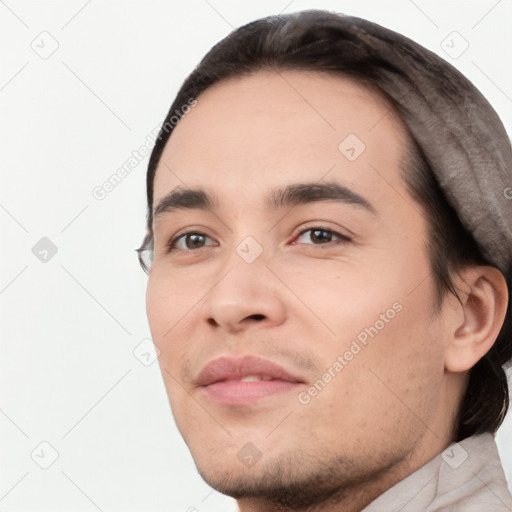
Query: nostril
<point x="257" y="317"/>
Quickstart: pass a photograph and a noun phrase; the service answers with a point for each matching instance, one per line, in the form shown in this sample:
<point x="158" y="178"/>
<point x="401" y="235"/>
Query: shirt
<point x="466" y="477"/>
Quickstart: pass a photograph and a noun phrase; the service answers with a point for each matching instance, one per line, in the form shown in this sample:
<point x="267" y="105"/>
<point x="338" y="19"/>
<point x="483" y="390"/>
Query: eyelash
<point x="343" y="238"/>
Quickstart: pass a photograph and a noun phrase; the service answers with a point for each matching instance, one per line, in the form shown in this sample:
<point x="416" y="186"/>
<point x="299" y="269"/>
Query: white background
<point x="70" y="325"/>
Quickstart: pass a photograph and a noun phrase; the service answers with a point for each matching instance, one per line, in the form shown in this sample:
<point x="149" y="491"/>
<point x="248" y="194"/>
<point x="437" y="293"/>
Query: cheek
<point x="170" y="296"/>
<point x="157" y="307"/>
<point x="394" y="347"/>
<point x="169" y="308"/>
<point x="388" y="390"/>
<point x="404" y="366"/>
<point x="340" y="299"/>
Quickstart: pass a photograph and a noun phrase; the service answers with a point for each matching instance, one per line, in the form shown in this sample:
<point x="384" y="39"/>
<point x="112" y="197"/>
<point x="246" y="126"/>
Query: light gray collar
<point x="466" y="477"/>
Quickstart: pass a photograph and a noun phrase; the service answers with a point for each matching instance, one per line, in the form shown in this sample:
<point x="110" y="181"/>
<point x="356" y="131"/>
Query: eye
<point x="192" y="240"/>
<point x="324" y="236"/>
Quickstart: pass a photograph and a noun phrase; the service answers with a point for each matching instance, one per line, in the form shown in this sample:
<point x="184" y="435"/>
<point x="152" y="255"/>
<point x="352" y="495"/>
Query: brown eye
<point x="191" y="240"/>
<point x="322" y="236"/>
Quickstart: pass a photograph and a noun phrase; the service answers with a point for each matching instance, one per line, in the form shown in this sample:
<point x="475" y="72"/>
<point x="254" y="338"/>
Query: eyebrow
<point x="182" y="198"/>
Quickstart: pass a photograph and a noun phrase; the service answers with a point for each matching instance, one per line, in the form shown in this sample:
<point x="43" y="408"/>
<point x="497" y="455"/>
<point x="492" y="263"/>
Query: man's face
<point x="354" y="289"/>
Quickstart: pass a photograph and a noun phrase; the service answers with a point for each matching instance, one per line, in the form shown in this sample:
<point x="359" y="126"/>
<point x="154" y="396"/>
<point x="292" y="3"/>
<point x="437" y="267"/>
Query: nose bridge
<point x="249" y="248"/>
<point x="245" y="288"/>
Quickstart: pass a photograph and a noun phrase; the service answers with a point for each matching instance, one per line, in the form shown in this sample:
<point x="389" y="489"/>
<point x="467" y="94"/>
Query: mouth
<point x="245" y="380"/>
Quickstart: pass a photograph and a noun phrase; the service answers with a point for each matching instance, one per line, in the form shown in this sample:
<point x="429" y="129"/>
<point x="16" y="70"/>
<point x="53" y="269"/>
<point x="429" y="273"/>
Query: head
<point x="326" y="245"/>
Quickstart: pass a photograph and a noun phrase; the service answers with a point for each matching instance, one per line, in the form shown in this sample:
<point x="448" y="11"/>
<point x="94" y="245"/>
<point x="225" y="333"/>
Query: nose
<point x="244" y="294"/>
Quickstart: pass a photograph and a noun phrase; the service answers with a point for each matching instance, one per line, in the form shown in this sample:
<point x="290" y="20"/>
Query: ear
<point x="484" y="297"/>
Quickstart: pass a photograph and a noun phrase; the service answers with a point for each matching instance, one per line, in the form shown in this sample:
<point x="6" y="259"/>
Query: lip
<point x="220" y="380"/>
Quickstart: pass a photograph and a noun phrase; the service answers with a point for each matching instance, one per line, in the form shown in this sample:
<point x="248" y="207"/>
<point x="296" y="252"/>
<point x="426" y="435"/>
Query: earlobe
<point x="484" y="304"/>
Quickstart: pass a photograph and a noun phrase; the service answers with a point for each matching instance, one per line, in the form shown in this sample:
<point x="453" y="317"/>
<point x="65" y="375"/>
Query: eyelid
<point x="320" y="226"/>
<point x="303" y="229"/>
<point x="177" y="237"/>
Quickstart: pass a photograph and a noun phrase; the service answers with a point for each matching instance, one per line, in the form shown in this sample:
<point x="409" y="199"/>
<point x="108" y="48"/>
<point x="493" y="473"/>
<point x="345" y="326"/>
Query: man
<point x="330" y="241"/>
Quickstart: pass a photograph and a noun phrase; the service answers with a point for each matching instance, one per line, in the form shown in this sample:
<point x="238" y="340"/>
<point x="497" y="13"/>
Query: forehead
<point x="279" y="127"/>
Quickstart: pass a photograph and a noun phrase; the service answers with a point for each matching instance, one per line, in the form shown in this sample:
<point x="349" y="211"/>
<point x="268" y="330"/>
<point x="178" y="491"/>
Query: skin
<point x="392" y="407"/>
